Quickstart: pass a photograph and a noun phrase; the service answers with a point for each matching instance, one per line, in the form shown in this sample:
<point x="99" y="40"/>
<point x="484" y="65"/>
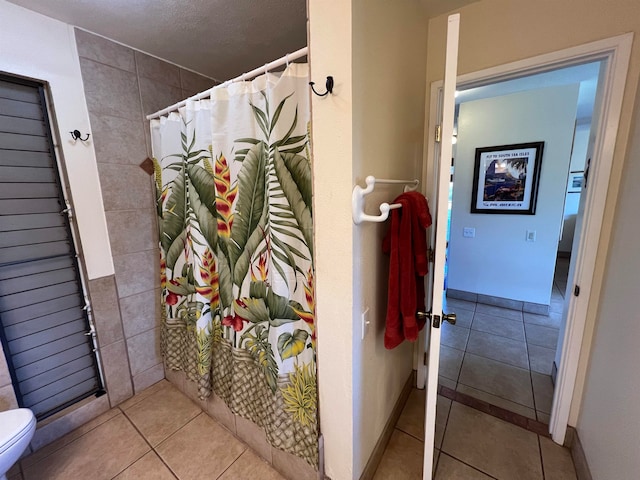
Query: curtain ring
<point x="286" y="59"/>
<point x="266" y="69"/>
<point x="243" y="77"/>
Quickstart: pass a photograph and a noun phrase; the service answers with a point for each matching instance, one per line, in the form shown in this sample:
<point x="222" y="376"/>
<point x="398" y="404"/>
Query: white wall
<point x="609" y="422"/>
<point x="38" y="47"/>
<point x="499" y="261"/>
<point x="331" y="54"/>
<point x="372" y="125"/>
<point x="389" y="60"/>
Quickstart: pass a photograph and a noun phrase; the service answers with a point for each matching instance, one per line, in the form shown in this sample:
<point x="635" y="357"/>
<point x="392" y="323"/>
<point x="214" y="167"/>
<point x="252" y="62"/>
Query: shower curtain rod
<point x="245" y="76"/>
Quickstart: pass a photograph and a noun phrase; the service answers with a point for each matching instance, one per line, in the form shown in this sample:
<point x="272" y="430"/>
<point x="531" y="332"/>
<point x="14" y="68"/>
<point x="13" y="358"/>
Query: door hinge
<point x="438" y="133"/>
<point x="431" y="255"/>
<point x="424" y="360"/>
<point x="68" y="210"/>
<point x="576" y="290"/>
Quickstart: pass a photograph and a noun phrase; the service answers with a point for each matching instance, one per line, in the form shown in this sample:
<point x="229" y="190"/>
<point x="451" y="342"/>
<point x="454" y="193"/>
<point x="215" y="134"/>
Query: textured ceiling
<point x="219" y="38"/>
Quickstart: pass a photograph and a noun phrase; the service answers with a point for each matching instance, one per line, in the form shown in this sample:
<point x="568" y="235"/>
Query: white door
<point x="440" y="225"/>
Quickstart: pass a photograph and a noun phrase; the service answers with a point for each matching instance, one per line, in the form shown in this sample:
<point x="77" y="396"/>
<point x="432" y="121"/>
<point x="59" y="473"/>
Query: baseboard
<point x="577" y="454"/>
<point x="381" y="445"/>
<point x="519" y="305"/>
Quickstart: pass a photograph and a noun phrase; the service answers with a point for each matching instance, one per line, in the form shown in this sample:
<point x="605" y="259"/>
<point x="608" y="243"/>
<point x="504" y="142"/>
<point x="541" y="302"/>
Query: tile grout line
<point x="533" y="392"/>
<point x="468" y="465"/>
<point x="233" y="463"/>
<point x="153" y="449"/>
<point x="500" y="413"/>
<point x="541" y="459"/>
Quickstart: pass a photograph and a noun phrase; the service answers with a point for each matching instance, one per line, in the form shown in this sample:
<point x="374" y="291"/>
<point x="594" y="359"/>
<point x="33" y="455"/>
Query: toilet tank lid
<point x="13" y="422"/>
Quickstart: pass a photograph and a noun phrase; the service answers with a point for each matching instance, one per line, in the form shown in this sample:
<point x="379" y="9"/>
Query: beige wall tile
<point x="144" y="351"/>
<point x="162" y="413"/>
<point x="175" y="377"/>
<point x="64" y="422"/>
<point x="86" y="458"/>
<point x="105" y="51"/>
<point x="491" y="445"/>
<point x="106" y="314"/>
<point x="141" y="312"/>
<point x="110" y="91"/>
<point x="254" y="436"/>
<point x="149" y="467"/>
<point x="158" y="70"/>
<point x="211" y="449"/>
<point x="118" y="140"/>
<point x="125" y="187"/>
<point x="115" y="366"/>
<point x="7" y="398"/>
<point x="137" y="272"/>
<point x="156" y="95"/>
<point x="219" y="410"/>
<point x="193" y="83"/>
<point x="148" y="377"/>
<point x="5" y="376"/>
<point x="251" y="466"/>
<point x="132" y="231"/>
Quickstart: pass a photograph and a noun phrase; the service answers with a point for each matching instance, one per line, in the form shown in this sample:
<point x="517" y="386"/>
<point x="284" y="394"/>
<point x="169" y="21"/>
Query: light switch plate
<point x="531" y="235"/>
<point x="468" y="232"/>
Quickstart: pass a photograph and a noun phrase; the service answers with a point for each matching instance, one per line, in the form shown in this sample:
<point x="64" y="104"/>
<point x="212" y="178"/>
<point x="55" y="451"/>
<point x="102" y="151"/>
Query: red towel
<point x="406" y="243"/>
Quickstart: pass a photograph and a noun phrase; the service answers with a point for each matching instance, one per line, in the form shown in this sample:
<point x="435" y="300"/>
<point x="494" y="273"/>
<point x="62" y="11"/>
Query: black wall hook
<point x="329" y="86"/>
<point x="76" y="135"/>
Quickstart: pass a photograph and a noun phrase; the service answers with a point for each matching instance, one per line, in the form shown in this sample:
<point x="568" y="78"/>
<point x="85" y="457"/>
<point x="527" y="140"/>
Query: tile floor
<point x="159" y="434"/>
<point x="504" y="356"/>
<point x="470" y="445"/>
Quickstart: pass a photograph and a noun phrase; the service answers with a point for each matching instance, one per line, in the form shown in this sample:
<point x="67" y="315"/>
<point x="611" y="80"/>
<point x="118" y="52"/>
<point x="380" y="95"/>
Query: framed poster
<point x="575" y="182"/>
<point x="506" y="178"/>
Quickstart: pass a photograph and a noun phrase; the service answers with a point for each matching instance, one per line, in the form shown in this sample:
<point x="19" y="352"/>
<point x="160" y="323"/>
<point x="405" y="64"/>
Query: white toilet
<point x="16" y="430"/>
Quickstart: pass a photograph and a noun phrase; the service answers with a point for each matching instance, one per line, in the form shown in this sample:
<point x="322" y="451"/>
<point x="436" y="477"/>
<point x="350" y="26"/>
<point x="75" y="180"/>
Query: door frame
<point x="615" y="52"/>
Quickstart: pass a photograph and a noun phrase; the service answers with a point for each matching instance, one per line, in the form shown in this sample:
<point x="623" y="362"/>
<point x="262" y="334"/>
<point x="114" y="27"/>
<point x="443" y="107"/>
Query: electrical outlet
<point x="469" y="232"/>
<point x="365" y="322"/>
<point x="531" y="235"/>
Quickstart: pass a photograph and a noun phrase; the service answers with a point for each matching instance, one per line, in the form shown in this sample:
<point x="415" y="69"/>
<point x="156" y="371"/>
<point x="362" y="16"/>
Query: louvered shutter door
<point x="43" y="321"/>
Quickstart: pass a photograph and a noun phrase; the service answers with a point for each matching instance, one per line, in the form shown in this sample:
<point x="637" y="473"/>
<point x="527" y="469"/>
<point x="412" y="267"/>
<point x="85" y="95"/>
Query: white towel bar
<point x="357" y="199"/>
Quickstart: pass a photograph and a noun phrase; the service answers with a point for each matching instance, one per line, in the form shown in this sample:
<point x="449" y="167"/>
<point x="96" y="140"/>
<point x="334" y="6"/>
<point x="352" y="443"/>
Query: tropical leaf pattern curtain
<point x="234" y="204"/>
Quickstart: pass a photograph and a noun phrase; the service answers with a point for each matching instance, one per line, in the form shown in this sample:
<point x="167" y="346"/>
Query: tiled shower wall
<point x="122" y="86"/>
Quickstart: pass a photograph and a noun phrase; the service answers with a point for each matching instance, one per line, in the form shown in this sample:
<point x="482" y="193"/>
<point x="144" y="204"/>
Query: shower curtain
<point x="234" y="204"/>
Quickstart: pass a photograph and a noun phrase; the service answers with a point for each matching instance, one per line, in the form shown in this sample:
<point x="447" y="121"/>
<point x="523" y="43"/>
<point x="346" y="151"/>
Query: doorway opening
<point x="507" y="270"/>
